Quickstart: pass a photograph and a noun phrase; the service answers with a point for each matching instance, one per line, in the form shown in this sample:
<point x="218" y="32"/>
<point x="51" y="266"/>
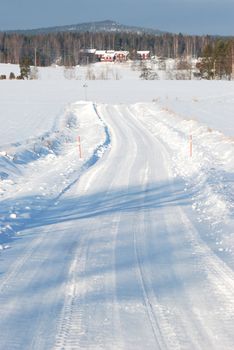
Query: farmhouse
<point x="109" y="56"/>
<point x="121" y="56"/>
<point x="112" y="56"/>
<point x="143" y="55"/>
<point x="93" y="55"/>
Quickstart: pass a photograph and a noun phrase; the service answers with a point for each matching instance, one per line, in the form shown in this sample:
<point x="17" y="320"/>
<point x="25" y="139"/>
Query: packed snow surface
<point x="116" y="213"/>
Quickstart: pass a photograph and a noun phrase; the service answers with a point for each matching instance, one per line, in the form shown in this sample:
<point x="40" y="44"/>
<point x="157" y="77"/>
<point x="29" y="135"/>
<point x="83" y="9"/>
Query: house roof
<point x="125" y="53"/>
<point x="111" y="55"/>
<point x="143" y="52"/>
<point x="100" y="52"/>
<point x="91" y="51"/>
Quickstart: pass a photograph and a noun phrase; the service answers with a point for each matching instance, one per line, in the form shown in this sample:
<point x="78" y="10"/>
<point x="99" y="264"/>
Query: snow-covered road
<point x="118" y="261"/>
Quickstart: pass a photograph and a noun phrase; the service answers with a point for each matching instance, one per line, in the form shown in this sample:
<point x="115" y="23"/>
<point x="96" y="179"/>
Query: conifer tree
<point x="25" y="67"/>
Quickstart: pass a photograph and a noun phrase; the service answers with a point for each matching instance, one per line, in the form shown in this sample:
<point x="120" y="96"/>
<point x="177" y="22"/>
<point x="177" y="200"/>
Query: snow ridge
<point x="26" y="168"/>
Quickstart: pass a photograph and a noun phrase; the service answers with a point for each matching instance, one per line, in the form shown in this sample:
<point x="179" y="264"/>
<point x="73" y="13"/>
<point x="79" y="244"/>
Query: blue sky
<point x="186" y="16"/>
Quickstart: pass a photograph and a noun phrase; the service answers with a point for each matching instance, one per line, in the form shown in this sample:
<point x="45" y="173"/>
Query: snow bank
<point x="35" y="173"/>
<point x="208" y="172"/>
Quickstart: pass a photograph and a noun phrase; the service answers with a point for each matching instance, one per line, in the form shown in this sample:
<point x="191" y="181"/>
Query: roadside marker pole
<point x="191" y="145"/>
<point x="79" y="146"/>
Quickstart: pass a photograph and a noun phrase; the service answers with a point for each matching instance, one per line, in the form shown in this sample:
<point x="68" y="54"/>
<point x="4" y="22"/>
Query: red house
<point x="109" y="56"/>
<point x="121" y="56"/>
<point x="143" y="55"/>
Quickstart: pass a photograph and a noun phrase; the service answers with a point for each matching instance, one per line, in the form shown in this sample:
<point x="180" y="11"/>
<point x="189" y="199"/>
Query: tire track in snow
<point x="138" y="228"/>
<point x="72" y="332"/>
<point x="154" y="312"/>
<point x="146" y="294"/>
<point x="71" y="314"/>
<point x="158" y="338"/>
<point x="73" y="320"/>
<point x="13" y="272"/>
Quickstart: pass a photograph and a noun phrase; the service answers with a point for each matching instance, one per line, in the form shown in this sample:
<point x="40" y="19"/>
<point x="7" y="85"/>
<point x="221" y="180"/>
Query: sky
<point x="185" y="16"/>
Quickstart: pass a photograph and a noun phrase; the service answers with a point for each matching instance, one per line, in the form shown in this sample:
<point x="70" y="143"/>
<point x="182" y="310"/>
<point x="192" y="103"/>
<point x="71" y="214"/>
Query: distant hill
<point x="95" y="27"/>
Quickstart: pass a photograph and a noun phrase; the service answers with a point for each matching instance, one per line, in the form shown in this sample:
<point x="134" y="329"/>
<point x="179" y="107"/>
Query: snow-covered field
<point x="126" y="240"/>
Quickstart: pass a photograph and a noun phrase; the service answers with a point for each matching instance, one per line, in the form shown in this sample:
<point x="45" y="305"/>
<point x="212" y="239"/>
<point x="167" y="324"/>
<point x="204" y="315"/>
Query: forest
<point x="65" y="48"/>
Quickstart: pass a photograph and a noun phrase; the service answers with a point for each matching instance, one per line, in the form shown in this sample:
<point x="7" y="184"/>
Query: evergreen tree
<point x="206" y="65"/>
<point x="147" y="73"/>
<point x="25" y="67"/>
<point x="216" y="61"/>
<point x="222" y="60"/>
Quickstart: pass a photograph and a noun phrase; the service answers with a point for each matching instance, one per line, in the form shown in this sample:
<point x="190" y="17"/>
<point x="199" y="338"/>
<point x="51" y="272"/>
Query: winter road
<point x="118" y="262"/>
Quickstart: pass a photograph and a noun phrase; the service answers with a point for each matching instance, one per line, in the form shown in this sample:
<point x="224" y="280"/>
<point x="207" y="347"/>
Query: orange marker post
<point x="79" y="146"/>
<point x="191" y="145"/>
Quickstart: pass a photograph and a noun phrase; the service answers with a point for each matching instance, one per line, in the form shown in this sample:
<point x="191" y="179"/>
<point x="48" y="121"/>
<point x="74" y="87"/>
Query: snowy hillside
<point x="95" y="27"/>
<point x="116" y="212"/>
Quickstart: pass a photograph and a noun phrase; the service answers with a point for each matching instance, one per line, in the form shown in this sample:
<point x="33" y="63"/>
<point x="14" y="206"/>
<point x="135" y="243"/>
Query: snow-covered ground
<point x="125" y="240"/>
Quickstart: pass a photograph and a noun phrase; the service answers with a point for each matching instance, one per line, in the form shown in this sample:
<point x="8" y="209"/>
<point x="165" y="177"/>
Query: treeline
<point x="64" y="48"/>
<point x="217" y="60"/>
